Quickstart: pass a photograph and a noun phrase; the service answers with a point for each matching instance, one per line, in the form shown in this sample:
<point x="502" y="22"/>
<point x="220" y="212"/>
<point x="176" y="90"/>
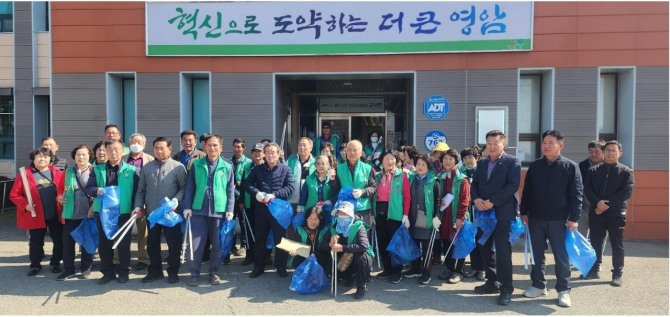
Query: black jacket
<point x="552" y="191"/>
<point x="613" y="182"/>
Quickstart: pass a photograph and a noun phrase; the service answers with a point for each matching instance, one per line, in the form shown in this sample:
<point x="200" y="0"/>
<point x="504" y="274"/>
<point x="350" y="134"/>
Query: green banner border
<point x="340" y="49"/>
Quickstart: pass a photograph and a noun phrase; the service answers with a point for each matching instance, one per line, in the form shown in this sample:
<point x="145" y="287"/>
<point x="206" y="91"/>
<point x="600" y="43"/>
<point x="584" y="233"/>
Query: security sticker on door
<point x="435" y="107"/>
<point x="433" y="138"/>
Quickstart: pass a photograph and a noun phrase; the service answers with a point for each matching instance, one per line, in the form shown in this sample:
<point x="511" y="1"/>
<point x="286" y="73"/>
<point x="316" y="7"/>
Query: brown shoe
<point x="214" y="279"/>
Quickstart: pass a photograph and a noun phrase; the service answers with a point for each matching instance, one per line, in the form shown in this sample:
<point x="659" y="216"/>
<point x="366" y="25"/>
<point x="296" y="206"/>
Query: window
<point x="40" y="16"/>
<point x="616" y="108"/>
<point x="534" y="112"/>
<point x="121" y="102"/>
<point x="6" y="127"/>
<point x="488" y="119"/>
<point x="6" y="16"/>
<point x="195" y="104"/>
<point x="607" y="106"/>
<point x="41" y="118"/>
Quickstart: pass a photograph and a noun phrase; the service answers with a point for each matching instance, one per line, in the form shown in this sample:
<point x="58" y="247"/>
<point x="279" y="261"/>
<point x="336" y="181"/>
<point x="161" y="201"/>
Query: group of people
<point x="393" y="189"/>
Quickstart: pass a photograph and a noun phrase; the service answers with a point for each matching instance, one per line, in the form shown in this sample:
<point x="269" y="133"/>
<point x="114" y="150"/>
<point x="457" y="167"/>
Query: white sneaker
<point x="564" y="299"/>
<point x="533" y="292"/>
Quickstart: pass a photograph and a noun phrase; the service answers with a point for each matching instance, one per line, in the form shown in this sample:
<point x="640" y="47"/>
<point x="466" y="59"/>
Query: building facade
<point x="589" y="69"/>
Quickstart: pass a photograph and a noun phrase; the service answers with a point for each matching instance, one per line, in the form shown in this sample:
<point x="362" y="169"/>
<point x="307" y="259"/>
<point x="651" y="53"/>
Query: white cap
<point x="346" y="207"/>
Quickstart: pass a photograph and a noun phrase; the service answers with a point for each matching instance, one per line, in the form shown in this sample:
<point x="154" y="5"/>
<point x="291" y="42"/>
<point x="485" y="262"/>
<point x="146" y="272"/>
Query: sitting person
<point x="348" y="235"/>
<point x="311" y="233"/>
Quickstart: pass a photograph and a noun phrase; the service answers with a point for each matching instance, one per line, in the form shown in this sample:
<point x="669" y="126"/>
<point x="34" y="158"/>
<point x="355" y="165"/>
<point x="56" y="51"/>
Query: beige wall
<point x="6" y="60"/>
<point x="43" y="59"/>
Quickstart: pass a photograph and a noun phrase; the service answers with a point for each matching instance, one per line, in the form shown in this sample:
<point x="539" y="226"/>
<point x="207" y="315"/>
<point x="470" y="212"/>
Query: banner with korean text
<point x="336" y="28"/>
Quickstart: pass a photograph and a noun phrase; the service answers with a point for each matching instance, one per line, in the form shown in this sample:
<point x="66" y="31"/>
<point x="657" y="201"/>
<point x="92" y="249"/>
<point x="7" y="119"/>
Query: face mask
<point x="374" y="139"/>
<point x="136" y="148"/>
<point x="343" y="223"/>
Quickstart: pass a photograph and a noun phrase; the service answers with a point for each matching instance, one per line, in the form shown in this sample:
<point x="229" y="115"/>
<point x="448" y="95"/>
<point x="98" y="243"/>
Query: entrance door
<point x="354" y="126"/>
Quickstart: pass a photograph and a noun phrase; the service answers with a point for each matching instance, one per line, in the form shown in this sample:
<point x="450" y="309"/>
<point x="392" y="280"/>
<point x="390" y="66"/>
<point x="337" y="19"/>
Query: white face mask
<point x="374" y="139"/>
<point x="136" y="148"/>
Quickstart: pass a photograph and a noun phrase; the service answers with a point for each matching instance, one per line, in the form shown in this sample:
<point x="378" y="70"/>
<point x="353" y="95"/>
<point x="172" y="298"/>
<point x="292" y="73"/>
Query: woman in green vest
<point x="311" y="232"/>
<point x="424" y="214"/>
<point x="100" y="156"/>
<point x="318" y="188"/>
<point x="76" y="206"/>
<point x="455" y="213"/>
<point x="391" y="205"/>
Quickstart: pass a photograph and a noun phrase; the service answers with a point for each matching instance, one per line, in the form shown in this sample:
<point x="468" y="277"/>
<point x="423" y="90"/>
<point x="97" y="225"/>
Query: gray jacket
<point x="159" y="180"/>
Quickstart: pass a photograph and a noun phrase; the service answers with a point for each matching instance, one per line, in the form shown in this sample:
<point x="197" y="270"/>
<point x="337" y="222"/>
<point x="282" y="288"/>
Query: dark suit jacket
<point x="196" y="155"/>
<point x="501" y="189"/>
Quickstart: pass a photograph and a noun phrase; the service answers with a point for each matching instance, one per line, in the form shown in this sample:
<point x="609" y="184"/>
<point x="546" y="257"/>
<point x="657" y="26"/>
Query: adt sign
<point x="435" y="107"/>
<point x="433" y="138"/>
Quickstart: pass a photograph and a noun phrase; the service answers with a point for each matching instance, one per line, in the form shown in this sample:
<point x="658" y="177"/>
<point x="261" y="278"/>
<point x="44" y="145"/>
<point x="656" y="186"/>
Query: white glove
<point x="300" y="209"/>
<point x="373" y="221"/>
<point x="187" y="213"/>
<point x="405" y="221"/>
<point x="327" y="202"/>
<point x="229" y="216"/>
<point x="137" y="211"/>
<point x="269" y="197"/>
<point x="260" y="196"/>
<point x="357" y="193"/>
<point x="436" y="223"/>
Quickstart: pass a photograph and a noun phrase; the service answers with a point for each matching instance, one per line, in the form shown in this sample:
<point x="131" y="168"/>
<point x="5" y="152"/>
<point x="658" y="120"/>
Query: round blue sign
<point x="433" y="138"/>
<point x="436" y="107"/>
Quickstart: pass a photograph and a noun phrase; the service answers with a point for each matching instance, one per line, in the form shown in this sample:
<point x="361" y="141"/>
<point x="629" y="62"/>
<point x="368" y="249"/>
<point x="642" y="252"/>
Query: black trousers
<point x="359" y="268"/>
<point x="498" y="267"/>
<point x="240" y="220"/>
<point x="173" y="238"/>
<point x="36" y="244"/>
<point x="554" y="231"/>
<point x="601" y="225"/>
<point x="69" y="245"/>
<point x="476" y="260"/>
<point x="453" y="265"/>
<point x="251" y="244"/>
<point x="107" y="253"/>
<point x="417" y="265"/>
<point x="386" y="228"/>
<point x="264" y="223"/>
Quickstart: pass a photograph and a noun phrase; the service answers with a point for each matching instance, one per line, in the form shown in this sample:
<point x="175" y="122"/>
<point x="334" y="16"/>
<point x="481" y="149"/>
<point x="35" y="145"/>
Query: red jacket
<point x="24" y="220"/>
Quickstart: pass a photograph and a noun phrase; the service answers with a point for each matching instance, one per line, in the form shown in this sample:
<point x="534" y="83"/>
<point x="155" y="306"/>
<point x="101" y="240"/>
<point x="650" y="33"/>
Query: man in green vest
<point x="360" y="176"/>
<point x="114" y="173"/>
<point x="301" y="165"/>
<point x="240" y="163"/>
<point x="327" y="136"/>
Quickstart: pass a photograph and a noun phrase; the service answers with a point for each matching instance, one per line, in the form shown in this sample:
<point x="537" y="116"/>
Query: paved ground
<point x="645" y="291"/>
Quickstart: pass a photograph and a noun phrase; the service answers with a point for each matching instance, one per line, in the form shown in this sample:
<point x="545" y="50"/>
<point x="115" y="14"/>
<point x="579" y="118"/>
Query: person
<point x="159" y="179"/>
<point x="203" y="141"/>
<point x="609" y="186"/>
<point x="326" y="137"/>
<point x="59" y="162"/>
<point x="596" y="157"/>
<point x="258" y="158"/>
<point x="266" y="182"/>
<point x="455" y="214"/>
<point x="99" y="153"/>
<point x="373" y="150"/>
<point x="139" y="158"/>
<point x="311" y="232"/>
<point x="342" y="151"/>
<point x="470" y="156"/>
<point x="409" y="153"/>
<point x="76" y="206"/>
<point x="494" y="187"/>
<point x="112" y="132"/>
<point x="44" y="184"/>
<point x="326" y="148"/>
<point x="436" y="154"/>
<point x="349" y="235"/>
<point x="391" y="210"/>
<point x="318" y="188"/>
<point x="115" y="172"/>
<point x="359" y="176"/>
<point x="551" y="201"/>
<point x="240" y="163"/>
<point x="301" y="165"/>
<point x="209" y="195"/>
<point x="424" y="214"/>
<point x="189" y="154"/>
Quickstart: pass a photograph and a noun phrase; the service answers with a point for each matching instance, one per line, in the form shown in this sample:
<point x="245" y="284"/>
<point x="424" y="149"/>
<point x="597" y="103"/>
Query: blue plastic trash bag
<point x="402" y="247"/>
<point x="270" y="242"/>
<point x="282" y="211"/>
<point x="346" y="194"/>
<point x="485" y="220"/>
<point x="164" y="215"/>
<point x="465" y="241"/>
<point x="516" y="229"/>
<point x="109" y="210"/>
<point x="298" y="219"/>
<point x="580" y="251"/>
<point x="309" y="277"/>
<point x="86" y="234"/>
<point x="226" y="236"/>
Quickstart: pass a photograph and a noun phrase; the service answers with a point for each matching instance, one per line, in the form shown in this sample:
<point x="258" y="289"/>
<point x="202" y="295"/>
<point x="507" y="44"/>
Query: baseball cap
<point x="258" y="147"/>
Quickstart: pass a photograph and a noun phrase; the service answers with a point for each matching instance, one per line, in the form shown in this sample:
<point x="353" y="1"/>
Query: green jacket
<point x="69" y="189"/>
<point x="292" y="160"/>
<point x="220" y="185"/>
<point x="428" y="196"/>
<point x="395" y="211"/>
<point x="127" y="181"/>
<point x="456" y="191"/>
<point x="359" y="180"/>
<point x="242" y="170"/>
<point x="313" y="190"/>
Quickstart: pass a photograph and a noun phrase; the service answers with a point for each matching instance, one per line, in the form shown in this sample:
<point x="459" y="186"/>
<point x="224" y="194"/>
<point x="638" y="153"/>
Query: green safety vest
<point x="395" y="211"/>
<point x="296" y="172"/>
<point x="302" y="232"/>
<point x="313" y="190"/>
<point x="353" y="231"/>
<point x="456" y="191"/>
<point x="241" y="171"/>
<point x="125" y="180"/>
<point x="358" y="180"/>
<point x="428" y="196"/>
<point x="70" y="187"/>
<point x="219" y="187"/>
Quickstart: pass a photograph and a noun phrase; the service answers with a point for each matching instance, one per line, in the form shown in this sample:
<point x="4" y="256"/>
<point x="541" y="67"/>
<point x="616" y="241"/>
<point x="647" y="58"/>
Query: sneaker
<point x="533" y="292"/>
<point x="85" y="274"/>
<point x="360" y="292"/>
<point x="396" y="278"/>
<point x="56" y="269"/>
<point x="616" y="281"/>
<point x="563" y="299"/>
<point x="214" y="279"/>
<point x="471" y="274"/>
<point x="481" y="275"/>
<point x="384" y="274"/>
<point x="173" y="279"/>
<point x="487" y="288"/>
<point x="425" y="278"/>
<point x="256" y="273"/>
<point x="455" y="278"/>
<point x="64" y="276"/>
<point x="140" y="266"/>
<point x="412" y="273"/>
<point x="282" y="272"/>
<point x="105" y="279"/>
<point x="247" y="261"/>
<point x="594" y="274"/>
<point x="152" y="277"/>
<point x="123" y="278"/>
<point x="194" y="281"/>
<point x="445" y="275"/>
<point x="350" y="281"/>
<point x="504" y="299"/>
<point x="33" y="271"/>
